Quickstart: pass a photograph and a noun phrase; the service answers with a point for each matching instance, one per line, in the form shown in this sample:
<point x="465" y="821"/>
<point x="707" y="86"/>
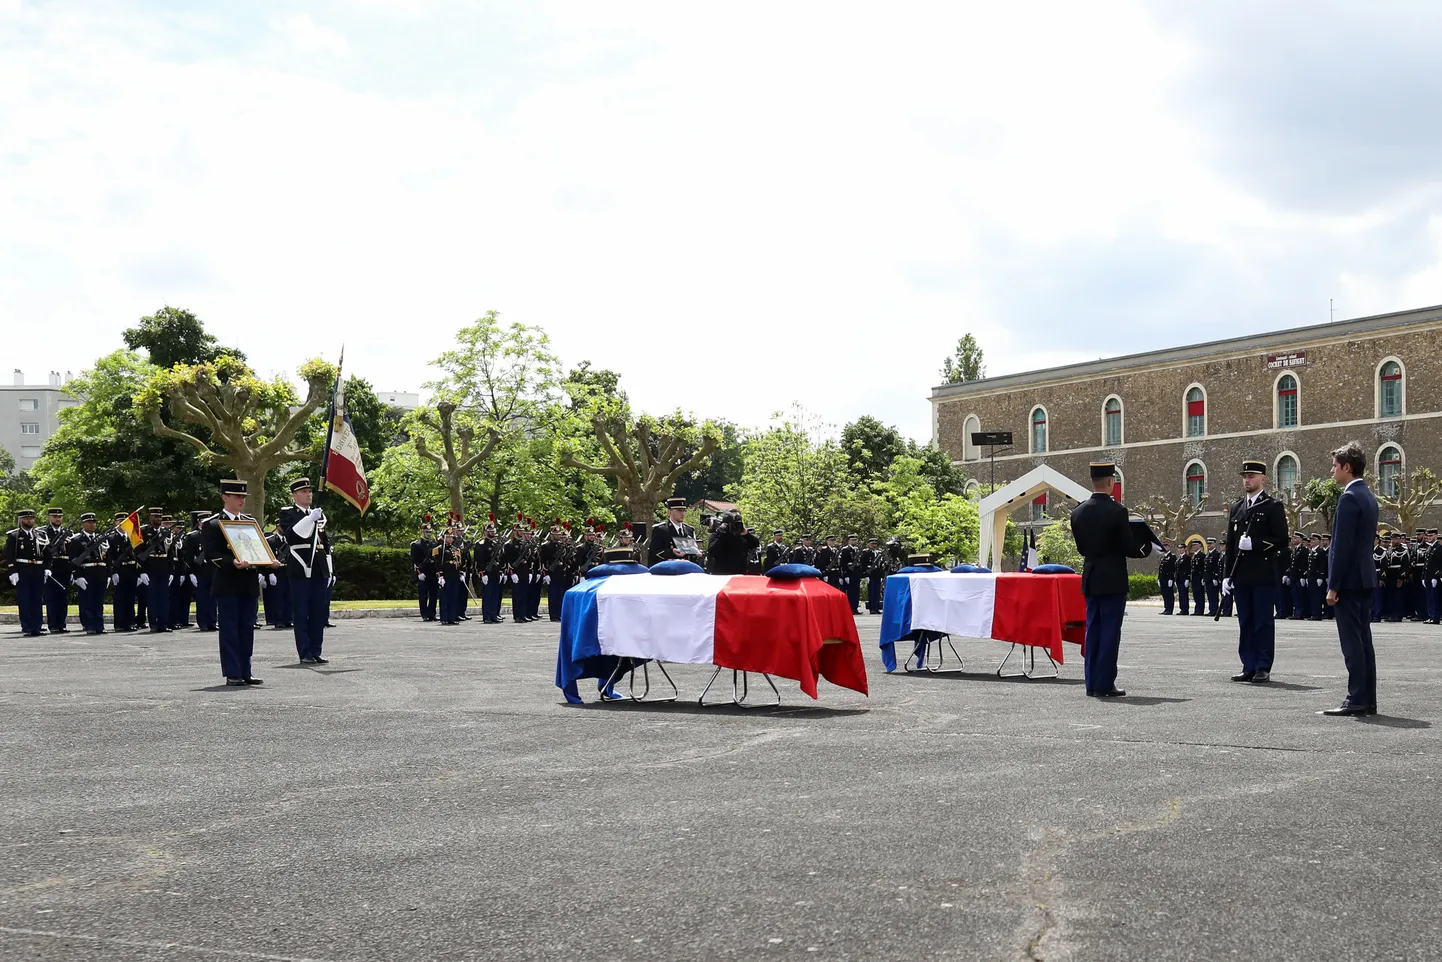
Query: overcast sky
<point x="736" y="206"/>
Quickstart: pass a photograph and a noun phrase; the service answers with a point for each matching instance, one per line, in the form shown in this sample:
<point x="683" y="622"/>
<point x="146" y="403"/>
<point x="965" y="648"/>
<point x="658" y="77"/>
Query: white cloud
<point x="735" y="209"/>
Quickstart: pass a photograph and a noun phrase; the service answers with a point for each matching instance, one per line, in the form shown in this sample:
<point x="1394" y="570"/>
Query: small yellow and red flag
<point x="131" y="527"/>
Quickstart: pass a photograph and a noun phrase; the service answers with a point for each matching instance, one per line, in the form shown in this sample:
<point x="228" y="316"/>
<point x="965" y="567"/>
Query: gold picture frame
<point x="247" y="542"/>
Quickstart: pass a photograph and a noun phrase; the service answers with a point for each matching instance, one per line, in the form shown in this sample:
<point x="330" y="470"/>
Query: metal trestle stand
<point x="740" y="689"/>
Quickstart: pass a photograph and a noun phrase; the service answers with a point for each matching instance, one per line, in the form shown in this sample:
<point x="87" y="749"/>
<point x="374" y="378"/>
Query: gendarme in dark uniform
<point x="1257" y="548"/>
<point x="235" y="587"/>
<point x="308" y="566"/>
<point x="665" y="534"/>
<point x="25" y="568"/>
<point x="1105" y="540"/>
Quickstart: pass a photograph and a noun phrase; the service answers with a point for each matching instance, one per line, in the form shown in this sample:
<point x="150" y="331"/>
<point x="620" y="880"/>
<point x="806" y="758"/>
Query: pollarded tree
<point x="459" y="453"/>
<point x="1412" y="497"/>
<point x="1172" y="519"/>
<point x="250" y="422"/>
<point x="645" y="455"/>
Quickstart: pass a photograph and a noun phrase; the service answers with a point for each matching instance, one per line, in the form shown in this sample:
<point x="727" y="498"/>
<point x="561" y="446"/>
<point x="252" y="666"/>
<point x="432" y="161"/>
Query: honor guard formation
<point x="222" y="566"/>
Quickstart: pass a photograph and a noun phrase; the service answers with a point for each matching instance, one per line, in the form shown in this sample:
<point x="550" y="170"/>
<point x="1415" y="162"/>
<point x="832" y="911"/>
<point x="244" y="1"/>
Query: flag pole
<point x="329" y="430"/>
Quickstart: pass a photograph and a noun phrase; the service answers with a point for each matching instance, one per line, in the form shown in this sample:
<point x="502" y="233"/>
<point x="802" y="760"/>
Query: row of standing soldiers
<point x="1409" y="576"/>
<point x="152" y="583"/>
<point x="453" y="570"/>
<point x="843" y="566"/>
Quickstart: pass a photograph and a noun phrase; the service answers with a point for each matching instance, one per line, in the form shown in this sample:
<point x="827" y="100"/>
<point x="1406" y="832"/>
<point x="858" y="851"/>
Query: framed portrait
<point x="247" y="542"/>
<point x="686" y="546"/>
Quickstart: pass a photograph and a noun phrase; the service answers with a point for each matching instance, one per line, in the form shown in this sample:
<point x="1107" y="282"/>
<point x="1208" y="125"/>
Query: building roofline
<point x="1289" y="337"/>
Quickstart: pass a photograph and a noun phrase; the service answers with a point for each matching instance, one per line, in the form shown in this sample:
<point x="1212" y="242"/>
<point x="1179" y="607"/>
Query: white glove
<point x="82" y="584"/>
<point x="1286" y="580"/>
<point x="441" y="580"/>
<point x="172" y="579"/>
<point x="260" y="579"/>
<point x="1319" y="582"/>
<point x="485" y="579"/>
<point x="47" y="572"/>
<point x="1244" y="543"/>
<point x="1226" y="586"/>
<point x="515" y="579"/>
<point x="463" y="577"/>
<point x="142" y="579"/>
<point x="115" y="579"/>
<point x="314" y="514"/>
<point x="332" y="582"/>
<point x="194" y="581"/>
<point x="420" y="577"/>
<point x="1184" y="584"/>
<point x="1434" y="582"/>
<point x="14" y="577"/>
<point x="547" y="579"/>
<point x="271" y="579"/>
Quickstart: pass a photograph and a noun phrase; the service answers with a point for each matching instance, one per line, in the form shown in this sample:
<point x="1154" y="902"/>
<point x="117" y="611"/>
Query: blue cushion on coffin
<point x="792" y="572"/>
<point x="676" y="566"/>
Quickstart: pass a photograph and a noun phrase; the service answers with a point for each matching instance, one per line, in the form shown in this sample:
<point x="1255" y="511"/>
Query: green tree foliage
<point x="790" y="474"/>
<point x="1320" y="495"/>
<point x="104" y="457"/>
<point x="1057" y="545"/>
<point x="173" y="336"/>
<point x="499" y="379"/>
<point x="246" y="424"/>
<point x="967" y="364"/>
<point x="870" y="447"/>
<point x="16" y="490"/>
<point x="948" y="526"/>
<point x="721" y="473"/>
<point x="376" y="427"/>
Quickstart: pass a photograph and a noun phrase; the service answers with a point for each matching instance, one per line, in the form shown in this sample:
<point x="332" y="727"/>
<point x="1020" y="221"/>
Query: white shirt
<point x="1350" y="483"/>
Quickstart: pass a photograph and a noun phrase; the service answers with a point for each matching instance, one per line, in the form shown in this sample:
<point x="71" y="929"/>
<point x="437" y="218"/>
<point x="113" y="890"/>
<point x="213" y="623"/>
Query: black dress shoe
<point x="1261" y="677"/>
<point x="330" y="624"/>
<point x="235" y="682"/>
<point x="321" y="661"/>
<point x="307" y="661"/>
<point x="1108" y="693"/>
<point x="254" y="681"/>
<point x="1345" y="709"/>
<point x="1244" y="676"/>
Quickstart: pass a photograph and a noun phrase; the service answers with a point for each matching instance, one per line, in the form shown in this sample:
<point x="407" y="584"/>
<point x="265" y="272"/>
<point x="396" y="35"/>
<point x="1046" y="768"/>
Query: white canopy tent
<point x="998" y="506"/>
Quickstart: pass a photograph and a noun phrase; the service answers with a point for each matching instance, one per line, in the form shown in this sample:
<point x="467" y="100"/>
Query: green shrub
<point x="366" y="572"/>
<point x="1142" y="586"/>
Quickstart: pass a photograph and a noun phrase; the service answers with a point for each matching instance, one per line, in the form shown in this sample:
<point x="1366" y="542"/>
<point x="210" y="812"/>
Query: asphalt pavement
<point x="428" y="795"/>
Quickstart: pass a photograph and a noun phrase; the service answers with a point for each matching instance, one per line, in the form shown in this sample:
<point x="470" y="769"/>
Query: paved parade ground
<point x="428" y="795"/>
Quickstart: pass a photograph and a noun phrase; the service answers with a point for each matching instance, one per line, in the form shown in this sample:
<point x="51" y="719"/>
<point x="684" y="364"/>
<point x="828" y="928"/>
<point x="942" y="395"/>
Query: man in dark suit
<point x="234" y="585"/>
<point x="1352" y="577"/>
<point x="1104" y="539"/>
<point x="1257" y="545"/>
<point x="666" y="535"/>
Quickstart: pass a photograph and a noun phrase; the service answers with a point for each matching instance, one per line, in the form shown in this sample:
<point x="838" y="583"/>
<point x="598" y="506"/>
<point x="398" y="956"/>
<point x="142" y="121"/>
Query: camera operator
<point x="730" y="544"/>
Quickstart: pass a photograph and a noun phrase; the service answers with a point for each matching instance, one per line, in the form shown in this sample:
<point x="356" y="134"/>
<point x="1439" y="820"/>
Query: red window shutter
<point x="1040" y="499"/>
<point x="1196" y="409"/>
<point x="1117" y="490"/>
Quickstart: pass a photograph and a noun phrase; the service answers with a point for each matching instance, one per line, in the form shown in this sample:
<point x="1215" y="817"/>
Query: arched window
<point x="1391" y="399"/>
<point x="1389" y="469"/>
<point x="1287" y="408"/>
<point x="1117" y="486"/>
<point x="1038" y="430"/>
<point x="1112" y="422"/>
<point x="972" y="425"/>
<point x="1196" y="482"/>
<point x="1196" y="412"/>
<point x="1286" y="472"/>
<point x="973" y="490"/>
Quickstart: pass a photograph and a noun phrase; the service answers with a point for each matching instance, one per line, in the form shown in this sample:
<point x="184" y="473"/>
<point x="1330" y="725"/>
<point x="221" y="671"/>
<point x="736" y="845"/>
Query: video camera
<point x="726" y="521"/>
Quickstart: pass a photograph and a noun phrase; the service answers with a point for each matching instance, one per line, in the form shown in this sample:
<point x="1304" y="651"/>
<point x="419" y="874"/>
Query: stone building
<point x="1179" y="422"/>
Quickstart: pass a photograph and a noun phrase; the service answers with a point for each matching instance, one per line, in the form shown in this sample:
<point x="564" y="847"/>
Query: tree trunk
<point x="453" y="485"/>
<point x="255" y="482"/>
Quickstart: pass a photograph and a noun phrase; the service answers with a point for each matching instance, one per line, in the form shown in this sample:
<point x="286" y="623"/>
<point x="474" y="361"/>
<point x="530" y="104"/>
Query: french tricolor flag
<point x="802" y="629"/>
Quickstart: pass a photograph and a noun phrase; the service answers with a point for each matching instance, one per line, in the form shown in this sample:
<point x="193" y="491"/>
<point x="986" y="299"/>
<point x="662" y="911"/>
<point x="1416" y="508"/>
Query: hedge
<point x="1142" y="586"/>
<point x="367" y="573"/>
